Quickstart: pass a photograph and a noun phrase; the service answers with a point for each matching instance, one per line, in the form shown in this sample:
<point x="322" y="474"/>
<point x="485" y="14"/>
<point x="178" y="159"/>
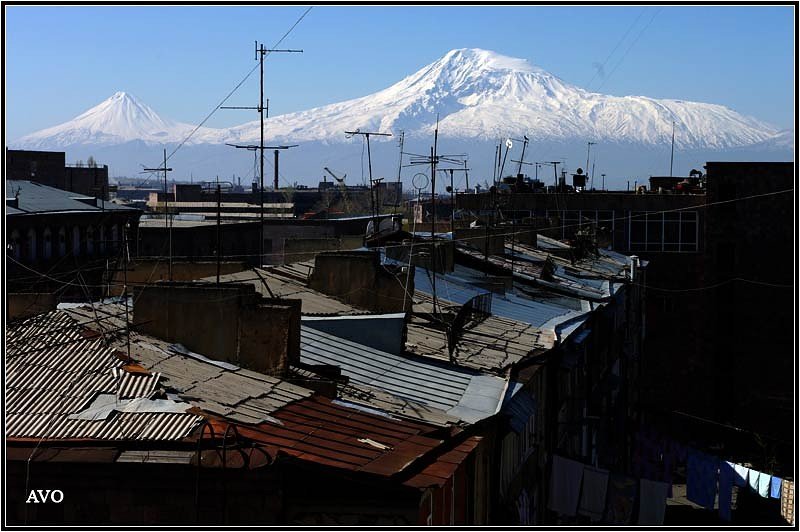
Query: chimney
<point x="359" y="279"/>
<point x="230" y="323"/>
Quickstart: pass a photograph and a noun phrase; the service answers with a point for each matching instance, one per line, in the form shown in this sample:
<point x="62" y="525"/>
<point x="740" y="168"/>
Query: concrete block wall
<point x="230" y="323"/>
<point x="358" y="278"/>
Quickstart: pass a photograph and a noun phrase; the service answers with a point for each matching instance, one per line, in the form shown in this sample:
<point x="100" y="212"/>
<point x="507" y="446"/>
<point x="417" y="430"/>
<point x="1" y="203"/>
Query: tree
<point x="91" y="163"/>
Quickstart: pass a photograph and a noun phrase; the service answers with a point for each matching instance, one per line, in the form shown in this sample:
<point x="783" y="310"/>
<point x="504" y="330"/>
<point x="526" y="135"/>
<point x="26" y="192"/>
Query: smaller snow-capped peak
<point x="120" y="118"/>
<point x="124" y="115"/>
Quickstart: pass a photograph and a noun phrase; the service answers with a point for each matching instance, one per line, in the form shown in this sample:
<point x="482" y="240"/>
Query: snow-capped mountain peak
<point x="118" y="119"/>
<point x="476" y="94"/>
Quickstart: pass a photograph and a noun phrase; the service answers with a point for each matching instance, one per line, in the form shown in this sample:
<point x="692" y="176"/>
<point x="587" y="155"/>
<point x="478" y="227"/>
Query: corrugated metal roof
<point x="508" y="305"/>
<point x="219" y="388"/>
<point x="465" y="394"/>
<point x="438" y="472"/>
<point x="54" y="371"/>
<point x="35" y="198"/>
<point x="317" y="430"/>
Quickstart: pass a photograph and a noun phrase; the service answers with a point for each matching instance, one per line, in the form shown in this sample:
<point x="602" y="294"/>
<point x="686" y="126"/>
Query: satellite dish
<point x="579" y="171"/>
<point x="509" y="144"/>
<point x="420" y="181"/>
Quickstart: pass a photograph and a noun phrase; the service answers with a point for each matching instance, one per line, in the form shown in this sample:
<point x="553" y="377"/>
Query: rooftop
<point x="29" y="197"/>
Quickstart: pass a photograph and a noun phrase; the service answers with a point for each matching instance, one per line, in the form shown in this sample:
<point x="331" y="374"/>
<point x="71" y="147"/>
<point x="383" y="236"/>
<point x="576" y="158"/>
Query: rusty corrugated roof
<point x="437" y="473"/>
<point x="320" y="431"/>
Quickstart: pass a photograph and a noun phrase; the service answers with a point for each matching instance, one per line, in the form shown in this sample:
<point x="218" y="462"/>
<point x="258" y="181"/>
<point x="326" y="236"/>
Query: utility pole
<point x="127" y="253"/>
<point x="433" y="160"/>
<point x="453" y="190"/>
<point x="672" y="152"/>
<point x="604" y="180"/>
<point x="261" y="148"/>
<point x="167" y="217"/>
<point x="260" y="54"/>
<point x="367" y="134"/>
<point x="219" y="213"/>
<point x="399" y="170"/>
<point x="588" y="149"/>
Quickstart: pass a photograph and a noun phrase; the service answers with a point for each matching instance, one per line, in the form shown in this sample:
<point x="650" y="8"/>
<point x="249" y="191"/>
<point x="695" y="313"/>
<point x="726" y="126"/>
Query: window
<point x="62" y="241"/>
<point x="90" y="241"/>
<point x="30" y="245"/>
<point x="571" y="221"/>
<point x="663" y="231"/>
<point x="76" y="241"/>
<point x="47" y="250"/>
<point x="15" y="245"/>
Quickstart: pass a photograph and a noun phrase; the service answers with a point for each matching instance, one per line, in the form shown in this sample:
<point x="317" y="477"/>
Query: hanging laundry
<point x="775" y="488"/>
<point x="523" y="507"/>
<point x="727" y="476"/>
<point x="593" y="493"/>
<point x="752" y="479"/>
<point x="652" y="502"/>
<point x="787" y="501"/>
<point x="565" y="485"/>
<point x="741" y="474"/>
<point x="622" y="491"/>
<point x="701" y="478"/>
<point x="764" y="481"/>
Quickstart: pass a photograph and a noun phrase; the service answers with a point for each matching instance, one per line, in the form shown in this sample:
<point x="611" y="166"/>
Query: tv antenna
<point x="522" y="157"/>
<point x="368" y="134"/>
<point x="588" y="149"/>
<point x="260" y="54"/>
<point x="167" y="217"/>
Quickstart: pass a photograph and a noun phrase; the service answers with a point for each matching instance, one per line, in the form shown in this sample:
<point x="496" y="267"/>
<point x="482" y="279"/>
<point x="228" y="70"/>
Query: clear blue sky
<point x="182" y="60"/>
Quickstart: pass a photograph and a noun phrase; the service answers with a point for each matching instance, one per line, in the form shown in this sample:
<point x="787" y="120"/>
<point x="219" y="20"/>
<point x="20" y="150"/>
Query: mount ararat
<point x="479" y="96"/>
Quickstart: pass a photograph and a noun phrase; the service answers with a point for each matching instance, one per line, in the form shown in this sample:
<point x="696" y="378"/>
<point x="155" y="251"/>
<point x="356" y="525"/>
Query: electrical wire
<point x="629" y="48"/>
<point x="225" y="99"/>
<point x="600" y="69"/>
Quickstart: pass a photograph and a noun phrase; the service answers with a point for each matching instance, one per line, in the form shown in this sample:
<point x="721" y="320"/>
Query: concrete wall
<point x="421" y="255"/>
<point x="302" y="249"/>
<point x="89" y="180"/>
<point x="230" y="323"/>
<point x="476" y="237"/>
<point x="45" y="167"/>
<point x="143" y="271"/>
<point x="25" y="305"/>
<point x="358" y="278"/>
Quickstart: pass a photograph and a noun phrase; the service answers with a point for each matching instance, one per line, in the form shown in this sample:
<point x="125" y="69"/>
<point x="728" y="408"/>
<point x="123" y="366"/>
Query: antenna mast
<point x="367" y="134"/>
<point x="167" y="217"/>
<point x="260" y="54"/>
<point x="672" y="153"/>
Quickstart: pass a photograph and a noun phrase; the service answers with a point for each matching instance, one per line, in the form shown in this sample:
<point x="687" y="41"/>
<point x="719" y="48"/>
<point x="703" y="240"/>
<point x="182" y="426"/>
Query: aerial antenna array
<point x="260" y="53"/>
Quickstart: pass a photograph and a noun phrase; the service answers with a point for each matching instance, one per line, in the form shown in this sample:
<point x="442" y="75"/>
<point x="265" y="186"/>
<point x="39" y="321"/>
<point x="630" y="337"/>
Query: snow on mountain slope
<point x="478" y="94"/>
<point x="484" y="95"/>
<point x="119" y="119"/>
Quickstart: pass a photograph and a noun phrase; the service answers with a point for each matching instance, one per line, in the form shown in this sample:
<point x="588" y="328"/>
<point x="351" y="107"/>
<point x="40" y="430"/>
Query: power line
<point x="245" y="78"/>
<point x="600" y="69"/>
<point x="629" y="48"/>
